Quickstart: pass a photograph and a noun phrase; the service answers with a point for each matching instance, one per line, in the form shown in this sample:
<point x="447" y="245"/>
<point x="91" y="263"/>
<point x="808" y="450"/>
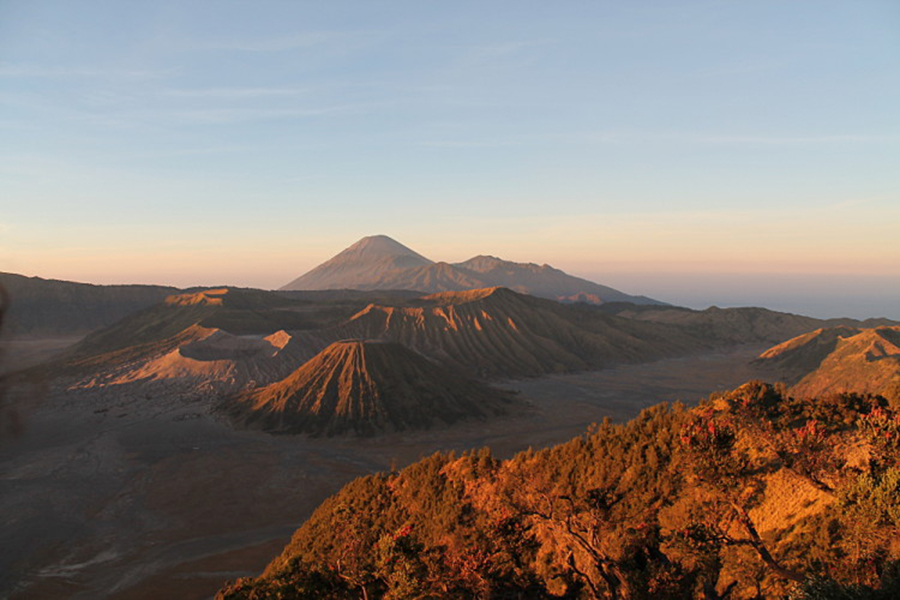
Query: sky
<point x="702" y="153"/>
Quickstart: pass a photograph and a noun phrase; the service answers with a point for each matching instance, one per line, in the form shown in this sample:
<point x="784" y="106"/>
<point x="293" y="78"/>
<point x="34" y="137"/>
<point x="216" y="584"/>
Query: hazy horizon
<point x="851" y="295"/>
<point x="700" y="153"/>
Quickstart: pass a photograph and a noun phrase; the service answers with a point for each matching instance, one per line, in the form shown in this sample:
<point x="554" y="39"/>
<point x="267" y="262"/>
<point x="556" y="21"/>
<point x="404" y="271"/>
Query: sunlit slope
<point x="752" y="490"/>
<point x="840" y="359"/>
<point x="365" y="387"/>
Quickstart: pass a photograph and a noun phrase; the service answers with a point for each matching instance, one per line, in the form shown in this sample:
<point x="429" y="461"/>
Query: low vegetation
<point x="750" y="494"/>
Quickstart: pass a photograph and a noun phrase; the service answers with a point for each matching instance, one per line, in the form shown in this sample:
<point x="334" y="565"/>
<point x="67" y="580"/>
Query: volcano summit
<point x="380" y="263"/>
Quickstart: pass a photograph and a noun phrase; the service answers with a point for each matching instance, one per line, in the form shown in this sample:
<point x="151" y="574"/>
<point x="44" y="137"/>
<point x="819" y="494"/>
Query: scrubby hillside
<point x="751" y="494"/>
<point x="366" y="387"/>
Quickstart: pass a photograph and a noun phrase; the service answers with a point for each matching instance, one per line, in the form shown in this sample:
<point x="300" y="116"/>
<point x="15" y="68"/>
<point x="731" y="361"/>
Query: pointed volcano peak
<point x="380" y="246"/>
<point x="365" y="265"/>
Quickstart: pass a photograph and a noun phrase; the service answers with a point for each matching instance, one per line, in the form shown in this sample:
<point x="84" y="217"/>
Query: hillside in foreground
<point x="752" y="494"/>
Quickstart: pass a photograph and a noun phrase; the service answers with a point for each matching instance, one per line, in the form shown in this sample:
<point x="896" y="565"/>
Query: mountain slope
<point x="840" y="359"/>
<point x="365" y="387"/>
<point x="543" y="281"/>
<point x="724" y="325"/>
<point x="497" y="332"/>
<point x="371" y="263"/>
<point x="380" y="263"/>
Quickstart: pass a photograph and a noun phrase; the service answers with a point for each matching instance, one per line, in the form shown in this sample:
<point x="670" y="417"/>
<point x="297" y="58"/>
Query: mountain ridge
<point x="838" y="360"/>
<point x="381" y="263"/>
<point x="40" y="306"/>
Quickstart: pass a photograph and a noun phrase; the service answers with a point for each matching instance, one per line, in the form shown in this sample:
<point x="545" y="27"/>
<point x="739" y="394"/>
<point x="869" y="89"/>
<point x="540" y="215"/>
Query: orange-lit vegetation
<point x="751" y="494"/>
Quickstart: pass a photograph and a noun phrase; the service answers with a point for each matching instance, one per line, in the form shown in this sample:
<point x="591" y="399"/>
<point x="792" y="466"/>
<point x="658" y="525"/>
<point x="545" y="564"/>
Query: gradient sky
<point x="726" y="153"/>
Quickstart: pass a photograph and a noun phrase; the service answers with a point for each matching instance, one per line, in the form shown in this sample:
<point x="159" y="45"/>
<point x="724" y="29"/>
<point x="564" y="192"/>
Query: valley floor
<point x="149" y="496"/>
<point x="23" y="352"/>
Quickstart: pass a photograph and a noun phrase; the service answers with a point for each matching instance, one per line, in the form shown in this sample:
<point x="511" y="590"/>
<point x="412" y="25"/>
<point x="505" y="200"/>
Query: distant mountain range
<point x="49" y="306"/>
<point x="232" y="340"/>
<point x="380" y="263"/>
<point x="285" y="353"/>
<point x="736" y="325"/>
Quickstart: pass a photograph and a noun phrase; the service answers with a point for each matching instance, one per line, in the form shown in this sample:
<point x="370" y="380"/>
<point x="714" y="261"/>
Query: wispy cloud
<point x="502" y="49"/>
<point x="496" y="55"/>
<point x="466" y="143"/>
<point x="295" y="41"/>
<point x="236" y="92"/>
<point x="612" y="137"/>
<point x="866" y="201"/>
<point x="24" y="70"/>
<point x="792" y="140"/>
<point x="227" y="115"/>
<point x="276" y="44"/>
<point x="220" y="115"/>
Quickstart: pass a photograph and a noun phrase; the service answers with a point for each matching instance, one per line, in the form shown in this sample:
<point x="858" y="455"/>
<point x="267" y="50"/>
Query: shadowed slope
<point x="51" y="307"/>
<point x="365" y="387"/>
<point x="724" y="325"/>
<point x="840" y="359"/>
